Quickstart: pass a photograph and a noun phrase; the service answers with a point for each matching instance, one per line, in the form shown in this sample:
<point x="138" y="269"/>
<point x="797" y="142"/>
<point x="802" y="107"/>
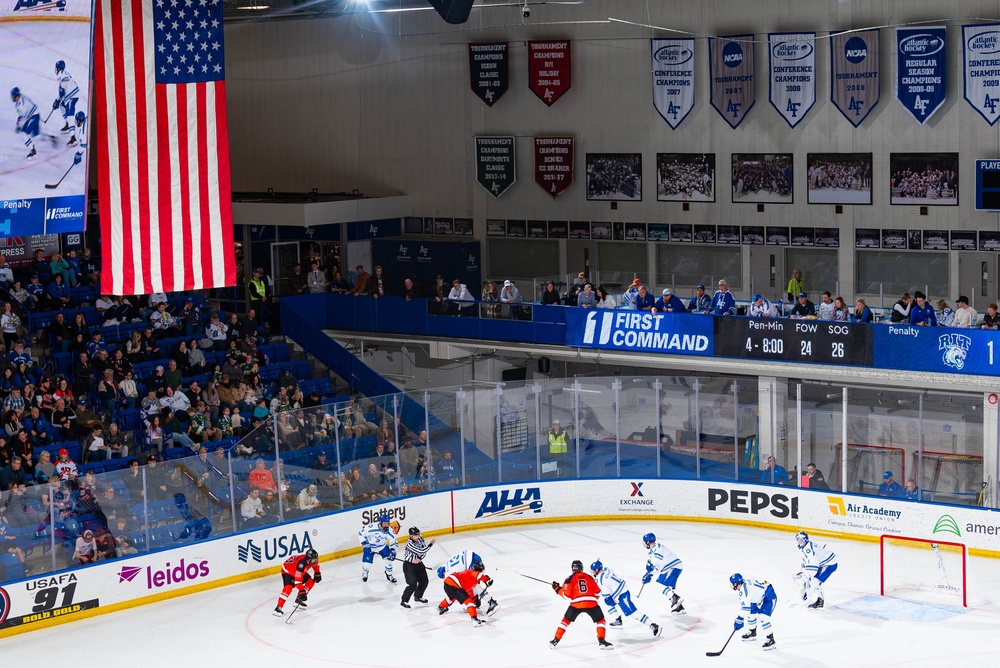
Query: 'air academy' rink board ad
<point x="45" y="78"/>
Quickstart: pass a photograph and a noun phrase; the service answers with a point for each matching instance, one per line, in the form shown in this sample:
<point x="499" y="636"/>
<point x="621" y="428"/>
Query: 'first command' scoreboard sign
<point x="988" y="185"/>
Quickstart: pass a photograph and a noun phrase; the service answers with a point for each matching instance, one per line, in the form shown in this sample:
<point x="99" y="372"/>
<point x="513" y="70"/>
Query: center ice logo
<point x="511" y="502"/>
<point x="955" y="347"/>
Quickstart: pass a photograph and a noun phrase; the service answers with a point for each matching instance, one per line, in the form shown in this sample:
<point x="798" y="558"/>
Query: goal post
<point x="934" y="566"/>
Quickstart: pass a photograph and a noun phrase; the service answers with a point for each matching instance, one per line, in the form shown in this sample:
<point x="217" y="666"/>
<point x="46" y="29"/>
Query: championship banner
<point x="792" y="74"/>
<point x="489" y="74"/>
<point x="854" y="75"/>
<point x="920" y="70"/>
<point x="554" y="163"/>
<point x="981" y="53"/>
<point x="548" y="70"/>
<point x="673" y="78"/>
<point x="730" y="70"/>
<point x="495" y="169"/>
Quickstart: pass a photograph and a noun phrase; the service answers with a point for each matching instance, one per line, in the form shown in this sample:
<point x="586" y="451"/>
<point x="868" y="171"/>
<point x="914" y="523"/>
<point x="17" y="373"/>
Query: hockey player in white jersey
<point x="28" y="121"/>
<point x="463" y="561"/>
<point x="617" y="596"/>
<point x="818" y="564"/>
<point x="757" y="597"/>
<point x="666" y="568"/>
<point x="379" y="538"/>
<point x="69" y="94"/>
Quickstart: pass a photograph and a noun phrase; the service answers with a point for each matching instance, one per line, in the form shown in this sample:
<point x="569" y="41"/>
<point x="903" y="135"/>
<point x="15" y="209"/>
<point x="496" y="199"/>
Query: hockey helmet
<point x="802" y="538"/>
<point x="472" y="558"/>
<point x="649" y="538"/>
<point x="479" y="567"/>
<point x="60" y="66"/>
<point x="383" y="519"/>
<point x="80" y="117"/>
<point x="577" y="566"/>
<point x="414" y="531"/>
<point x="312" y="555"/>
<point x="736" y="580"/>
<point x="596" y="567"/>
<point x="15" y="92"/>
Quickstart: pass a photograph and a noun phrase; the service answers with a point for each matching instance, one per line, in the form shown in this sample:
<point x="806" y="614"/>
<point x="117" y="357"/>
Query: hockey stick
<point x="56" y="184"/>
<point x="297" y="606"/>
<point x="723" y="647"/>
<point x="49" y="116"/>
<point x="532" y="578"/>
<point x="640" y="590"/>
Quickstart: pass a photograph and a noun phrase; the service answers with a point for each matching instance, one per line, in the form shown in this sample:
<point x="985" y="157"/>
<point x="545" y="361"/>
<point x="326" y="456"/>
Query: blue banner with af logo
<point x="669" y="333"/>
<point x="937" y="349"/>
<point x="920" y="70"/>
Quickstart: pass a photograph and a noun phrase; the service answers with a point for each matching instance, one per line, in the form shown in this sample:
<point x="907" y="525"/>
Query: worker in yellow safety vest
<point x="557" y="440"/>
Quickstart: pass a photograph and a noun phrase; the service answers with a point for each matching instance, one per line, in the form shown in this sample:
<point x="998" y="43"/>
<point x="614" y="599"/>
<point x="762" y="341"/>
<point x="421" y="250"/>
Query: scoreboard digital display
<point x="786" y="340"/>
<point x="988" y="185"/>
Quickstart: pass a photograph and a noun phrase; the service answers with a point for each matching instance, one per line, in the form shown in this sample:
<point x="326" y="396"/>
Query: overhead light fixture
<point x="253" y="6"/>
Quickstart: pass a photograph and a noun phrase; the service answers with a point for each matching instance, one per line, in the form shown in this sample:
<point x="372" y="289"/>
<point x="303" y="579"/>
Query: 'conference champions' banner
<point x="489" y="73"/>
<point x="673" y="78"/>
<point x="730" y="71"/>
<point x="854" y="73"/>
<point x="981" y="52"/>
<point x="792" y="74"/>
<point x="495" y="168"/>
<point x="920" y="70"/>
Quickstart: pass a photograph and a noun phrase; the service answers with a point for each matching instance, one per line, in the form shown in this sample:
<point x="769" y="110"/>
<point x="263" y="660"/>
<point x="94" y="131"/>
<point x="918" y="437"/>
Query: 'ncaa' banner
<point x="673" y="78"/>
<point x="671" y="333"/>
<point x="792" y="74"/>
<point x="548" y="70"/>
<point x="854" y="73"/>
<point x="554" y="163"/>
<point x="730" y="71"/>
<point x="981" y="52"/>
<point x="489" y="74"/>
<point x="495" y="169"/>
<point x="920" y="70"/>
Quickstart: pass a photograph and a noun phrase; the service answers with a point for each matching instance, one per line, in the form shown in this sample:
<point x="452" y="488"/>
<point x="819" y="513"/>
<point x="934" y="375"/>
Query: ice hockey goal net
<point x="910" y="565"/>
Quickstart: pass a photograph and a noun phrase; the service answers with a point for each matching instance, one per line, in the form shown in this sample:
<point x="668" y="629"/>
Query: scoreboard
<point x="988" y="185"/>
<point x="787" y="340"/>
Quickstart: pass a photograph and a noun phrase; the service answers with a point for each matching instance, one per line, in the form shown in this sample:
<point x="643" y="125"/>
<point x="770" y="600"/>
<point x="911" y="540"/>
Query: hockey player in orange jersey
<point x="462" y="587"/>
<point x="582" y="592"/>
<point x="294" y="576"/>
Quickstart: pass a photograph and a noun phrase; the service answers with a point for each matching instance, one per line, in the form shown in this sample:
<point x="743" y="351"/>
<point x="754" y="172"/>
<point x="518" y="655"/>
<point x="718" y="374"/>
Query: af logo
<point x="793" y="108"/>
<point x="673" y="109"/>
<point x="955" y="347"/>
<point x="403" y="250"/>
<point x="855" y="106"/>
<point x="990" y="103"/>
<point x="733" y="108"/>
<point x="920" y="105"/>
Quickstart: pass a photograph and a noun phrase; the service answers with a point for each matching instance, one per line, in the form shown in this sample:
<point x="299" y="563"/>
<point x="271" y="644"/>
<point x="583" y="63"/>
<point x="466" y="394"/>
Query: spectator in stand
<point x="135" y="348"/>
<point x="701" y="302"/>
<point x="59" y="293"/>
<point x="196" y="359"/>
<point x="158" y="438"/>
<point x="447" y="469"/>
<point x="668" y="303"/>
<point x="813" y="478"/>
<point x="108" y="392"/>
<point x="163" y="322"/>
<point x="439" y="292"/>
<point x="8" y="542"/>
<point x="90" y="269"/>
<point x="157" y="381"/>
<point x="189" y="317"/>
<point x="378" y="285"/>
<point x="575" y="290"/>
<point x="462" y="301"/>
<point x="150" y="344"/>
<point x="6" y="274"/>
<point x="252" y="509"/>
<point x="587" y="297"/>
<point x="803" y="307"/>
<point x="901" y="309"/>
<point x="889" y="487"/>
<point x="605" y="299"/>
<point x="761" y="308"/>
<point x="643" y="300"/>
<point x="947" y="318"/>
<point x="172" y="375"/>
<point x="965" y="315"/>
<point x="261" y="478"/>
<point x="824" y="310"/>
<point x="26" y="302"/>
<point x="911" y="492"/>
<point x="922" y="313"/>
<point x="65" y="467"/>
<point x="13" y="474"/>
<point x="85" y="420"/>
<point x="9" y="322"/>
<point x="795" y="284"/>
<point x="509" y="294"/>
<point x="316" y="280"/>
<point x="123" y="539"/>
<point x="257" y="289"/>
<point x="114" y="439"/>
<point x="628" y="297"/>
<point x="308" y="499"/>
<point x="339" y="284"/>
<point x="861" y="312"/>
<point x="60" y="267"/>
<point x="36" y="290"/>
<point x="44" y="469"/>
<point x="773" y="473"/>
<point x="64" y="417"/>
<point x="217" y="333"/>
<point x="991" y="320"/>
<point x="551" y="297"/>
<point x="298" y="282"/>
<point x="840" y="311"/>
<point x="409" y="291"/>
<point x="490" y="308"/>
<point x="723" y="301"/>
<point x="86" y="549"/>
<point x="129" y="390"/>
<point x="368" y="428"/>
<point x="361" y="283"/>
<point x="175" y="400"/>
<point x="104" y="304"/>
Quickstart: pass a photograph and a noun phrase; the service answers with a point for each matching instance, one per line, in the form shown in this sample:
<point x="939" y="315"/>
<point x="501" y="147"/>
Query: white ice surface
<point x="349" y="623"/>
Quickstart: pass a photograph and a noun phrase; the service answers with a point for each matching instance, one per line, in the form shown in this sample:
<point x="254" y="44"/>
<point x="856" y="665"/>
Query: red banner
<point x="554" y="163"/>
<point x="548" y="69"/>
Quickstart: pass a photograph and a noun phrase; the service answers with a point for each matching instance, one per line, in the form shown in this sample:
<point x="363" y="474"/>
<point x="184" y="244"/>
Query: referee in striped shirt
<point x="413" y="568"/>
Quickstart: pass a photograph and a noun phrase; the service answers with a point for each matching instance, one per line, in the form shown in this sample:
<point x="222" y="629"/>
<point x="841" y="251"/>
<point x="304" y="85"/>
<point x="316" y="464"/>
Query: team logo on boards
<point x="511" y="502"/>
<point x="947" y="524"/>
<point x="955" y="347"/>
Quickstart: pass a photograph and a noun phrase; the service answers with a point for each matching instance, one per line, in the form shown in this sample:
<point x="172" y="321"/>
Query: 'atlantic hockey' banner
<point x="854" y="73"/>
<point x="554" y="163"/>
<point x="673" y="78"/>
<point x="548" y="70"/>
<point x="792" y="74"/>
<point x="730" y="68"/>
<point x="920" y="70"/>
<point x="489" y="74"/>
<point x="981" y="52"/>
<point x="495" y="169"/>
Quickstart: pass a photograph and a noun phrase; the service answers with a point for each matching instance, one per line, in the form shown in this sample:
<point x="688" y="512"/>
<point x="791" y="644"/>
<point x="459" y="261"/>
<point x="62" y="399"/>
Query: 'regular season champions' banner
<point x="495" y="169"/>
<point x="554" y="163"/>
<point x="548" y="70"/>
<point x="489" y="74"/>
<point x="730" y="71"/>
<point x="792" y="74"/>
<point x="854" y="73"/>
<point x="673" y="78"/>
<point x="920" y="70"/>
<point x="981" y="53"/>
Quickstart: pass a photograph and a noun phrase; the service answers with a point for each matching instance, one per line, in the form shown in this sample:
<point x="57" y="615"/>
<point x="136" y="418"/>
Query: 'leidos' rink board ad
<point x="45" y="78"/>
<point x="114" y="585"/>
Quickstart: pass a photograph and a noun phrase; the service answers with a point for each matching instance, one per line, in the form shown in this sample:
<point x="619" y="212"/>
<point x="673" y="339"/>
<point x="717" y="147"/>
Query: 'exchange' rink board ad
<point x="46" y="192"/>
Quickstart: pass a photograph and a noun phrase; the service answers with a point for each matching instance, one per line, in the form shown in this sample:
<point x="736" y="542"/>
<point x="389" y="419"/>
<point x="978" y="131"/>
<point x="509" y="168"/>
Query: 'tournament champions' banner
<point x="920" y="70"/>
<point x="554" y="163"/>
<point x="730" y="71"/>
<point x="854" y="73"/>
<point x="495" y="168"/>
<point x="673" y="78"/>
<point x="548" y="70"/>
<point x="489" y="72"/>
<point x="792" y="74"/>
<point x="981" y="52"/>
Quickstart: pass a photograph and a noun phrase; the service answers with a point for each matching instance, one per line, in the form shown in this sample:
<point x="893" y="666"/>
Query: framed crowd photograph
<point x="598" y="231"/>
<point x="496" y="227"/>
<point x="658" y="232"/>
<point x="839" y="178"/>
<point x="762" y="178"/>
<point x="614" y="177"/>
<point x="924" y="179"/>
<point x="444" y="225"/>
<point x="517" y="228"/>
<point x="579" y="229"/>
<point x="557" y="229"/>
<point x="463" y="227"/>
<point x="538" y="229"/>
<point x="685" y="177"/>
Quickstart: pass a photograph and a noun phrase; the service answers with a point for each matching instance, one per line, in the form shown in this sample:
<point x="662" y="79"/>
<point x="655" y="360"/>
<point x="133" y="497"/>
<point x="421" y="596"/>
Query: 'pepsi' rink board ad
<point x="890" y="346"/>
<point x="45" y="71"/>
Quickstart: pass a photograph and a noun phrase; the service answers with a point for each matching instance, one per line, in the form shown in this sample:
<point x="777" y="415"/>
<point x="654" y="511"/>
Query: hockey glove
<point x="478" y="601"/>
<point x="55" y="104"/>
<point x="440" y="572"/>
<point x="392" y="555"/>
<point x="488" y="582"/>
<point x="366" y="554"/>
<point x="647" y="578"/>
<point x="609" y="601"/>
<point x="77" y="158"/>
<point x="555" y="587"/>
<point x="738" y="624"/>
<point x="318" y="578"/>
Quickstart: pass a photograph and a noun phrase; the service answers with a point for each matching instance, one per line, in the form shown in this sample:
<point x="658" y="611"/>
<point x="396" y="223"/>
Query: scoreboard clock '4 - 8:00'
<point x="820" y="341"/>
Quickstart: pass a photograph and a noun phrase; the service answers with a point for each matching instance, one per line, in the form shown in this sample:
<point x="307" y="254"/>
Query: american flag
<point x="163" y="164"/>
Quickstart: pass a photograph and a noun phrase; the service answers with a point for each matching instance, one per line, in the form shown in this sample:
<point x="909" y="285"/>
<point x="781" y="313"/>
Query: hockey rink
<point x="350" y="623"/>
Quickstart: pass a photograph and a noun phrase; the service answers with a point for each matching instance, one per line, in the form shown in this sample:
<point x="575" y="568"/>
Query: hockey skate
<point x="278" y="612"/>
<point x="419" y="600"/>
<point x="492" y="607"/>
<point x="749" y="636"/>
<point x="442" y="610"/>
<point x="769" y="644"/>
<point x="32" y="154"/>
<point x="676" y="607"/>
<point x="364" y="577"/>
<point x="478" y="623"/>
<point x="604" y="644"/>
<point x="65" y="128"/>
<point x="72" y="141"/>
<point x="404" y="604"/>
<point x="655" y="628"/>
<point x="617" y="623"/>
<point x="817" y="605"/>
<point x="300" y="600"/>
<point x="554" y="643"/>
<point x="388" y="576"/>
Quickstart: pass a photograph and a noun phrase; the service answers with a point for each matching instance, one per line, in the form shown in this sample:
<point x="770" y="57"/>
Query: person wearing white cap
<point x="509" y="294"/>
<point x="557" y="440"/>
<point x="669" y="303"/>
<point x="762" y="308"/>
<point x="308" y="498"/>
<point x="86" y="548"/>
<point x="723" y="302"/>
